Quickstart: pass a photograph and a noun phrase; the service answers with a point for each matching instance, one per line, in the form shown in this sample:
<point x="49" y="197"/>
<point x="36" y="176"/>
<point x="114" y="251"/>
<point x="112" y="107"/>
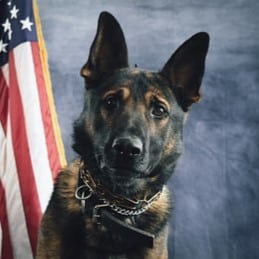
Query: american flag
<point x="31" y="151"/>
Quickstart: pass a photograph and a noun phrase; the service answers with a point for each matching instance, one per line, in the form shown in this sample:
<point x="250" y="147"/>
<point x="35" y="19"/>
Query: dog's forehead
<point x="138" y="82"/>
<point x="136" y="77"/>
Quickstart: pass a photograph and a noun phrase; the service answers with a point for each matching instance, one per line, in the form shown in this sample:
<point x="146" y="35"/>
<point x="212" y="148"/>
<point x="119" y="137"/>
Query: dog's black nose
<point x="128" y="146"/>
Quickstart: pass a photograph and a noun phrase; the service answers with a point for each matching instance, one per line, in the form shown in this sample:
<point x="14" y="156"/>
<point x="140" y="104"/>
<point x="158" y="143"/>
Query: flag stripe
<point x="32" y="114"/>
<point x="46" y="74"/>
<point x="29" y="192"/>
<point x="7" y="251"/>
<point x="18" y="228"/>
<point x="11" y="199"/>
<point x="53" y="154"/>
<point x="3" y="101"/>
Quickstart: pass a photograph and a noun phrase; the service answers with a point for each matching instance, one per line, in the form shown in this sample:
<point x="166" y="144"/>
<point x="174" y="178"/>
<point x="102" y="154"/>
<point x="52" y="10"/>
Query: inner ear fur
<point x="185" y="69"/>
<point x="108" y="51"/>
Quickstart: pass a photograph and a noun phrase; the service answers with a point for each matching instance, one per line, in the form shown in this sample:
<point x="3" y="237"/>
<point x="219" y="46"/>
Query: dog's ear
<point x="185" y="69"/>
<point x="108" y="51"/>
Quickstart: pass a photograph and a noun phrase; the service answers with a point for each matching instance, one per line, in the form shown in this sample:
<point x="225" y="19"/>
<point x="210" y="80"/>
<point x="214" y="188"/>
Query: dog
<point x="112" y="202"/>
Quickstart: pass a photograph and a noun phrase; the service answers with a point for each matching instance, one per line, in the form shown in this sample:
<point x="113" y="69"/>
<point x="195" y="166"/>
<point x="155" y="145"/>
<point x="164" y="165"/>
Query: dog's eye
<point x="111" y="102"/>
<point x="159" y="111"/>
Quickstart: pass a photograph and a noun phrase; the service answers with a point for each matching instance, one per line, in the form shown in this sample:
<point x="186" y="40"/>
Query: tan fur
<point x="160" y="248"/>
<point x="169" y="147"/>
<point x="154" y="92"/>
<point x="123" y="90"/>
<point x="50" y="239"/>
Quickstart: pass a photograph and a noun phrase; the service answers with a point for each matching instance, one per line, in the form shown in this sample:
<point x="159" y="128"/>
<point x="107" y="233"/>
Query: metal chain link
<point x="127" y="212"/>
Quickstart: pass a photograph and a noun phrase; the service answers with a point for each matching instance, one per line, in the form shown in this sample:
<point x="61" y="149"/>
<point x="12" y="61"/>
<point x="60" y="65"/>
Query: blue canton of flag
<point x="16" y="25"/>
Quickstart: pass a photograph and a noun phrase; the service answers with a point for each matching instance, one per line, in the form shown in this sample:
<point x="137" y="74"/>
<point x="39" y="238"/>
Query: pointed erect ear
<point x="185" y="69"/>
<point x="108" y="51"/>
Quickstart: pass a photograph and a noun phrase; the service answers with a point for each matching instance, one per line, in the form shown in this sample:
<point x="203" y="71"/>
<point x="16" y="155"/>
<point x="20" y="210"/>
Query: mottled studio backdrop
<point x="216" y="185"/>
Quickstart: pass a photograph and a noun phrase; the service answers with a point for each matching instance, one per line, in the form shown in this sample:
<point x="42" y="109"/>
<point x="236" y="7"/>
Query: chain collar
<point x="117" y="203"/>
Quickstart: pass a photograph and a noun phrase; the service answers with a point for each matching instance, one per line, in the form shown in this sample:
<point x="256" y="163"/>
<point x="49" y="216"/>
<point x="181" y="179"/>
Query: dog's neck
<point x="88" y="187"/>
<point x="109" y="204"/>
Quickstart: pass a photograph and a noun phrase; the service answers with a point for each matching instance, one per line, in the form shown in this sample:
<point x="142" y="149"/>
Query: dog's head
<point x="130" y="130"/>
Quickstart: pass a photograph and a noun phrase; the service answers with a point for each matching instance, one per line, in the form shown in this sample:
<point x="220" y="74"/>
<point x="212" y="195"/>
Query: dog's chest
<point x="106" y="238"/>
<point x="99" y="241"/>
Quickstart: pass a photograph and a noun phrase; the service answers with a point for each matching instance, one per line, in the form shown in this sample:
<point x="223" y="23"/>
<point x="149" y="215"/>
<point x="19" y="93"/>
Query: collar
<point x="117" y="204"/>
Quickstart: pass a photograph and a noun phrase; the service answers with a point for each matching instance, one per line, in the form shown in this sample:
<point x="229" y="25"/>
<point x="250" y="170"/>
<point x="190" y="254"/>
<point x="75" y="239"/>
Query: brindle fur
<point x="129" y="136"/>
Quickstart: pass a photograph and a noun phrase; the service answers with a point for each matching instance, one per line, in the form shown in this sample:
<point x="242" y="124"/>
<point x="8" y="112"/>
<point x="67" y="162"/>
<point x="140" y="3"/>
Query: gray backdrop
<point x="216" y="196"/>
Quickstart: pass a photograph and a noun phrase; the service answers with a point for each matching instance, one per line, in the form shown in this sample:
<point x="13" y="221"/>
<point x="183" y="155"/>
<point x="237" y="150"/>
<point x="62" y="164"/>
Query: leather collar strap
<point x="134" y="235"/>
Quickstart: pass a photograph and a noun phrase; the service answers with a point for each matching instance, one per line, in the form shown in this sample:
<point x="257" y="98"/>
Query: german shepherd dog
<point x="112" y="201"/>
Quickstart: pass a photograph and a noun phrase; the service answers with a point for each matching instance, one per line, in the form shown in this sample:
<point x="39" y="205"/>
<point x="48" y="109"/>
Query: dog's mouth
<point x="124" y="174"/>
<point x="123" y="168"/>
<point x="124" y="180"/>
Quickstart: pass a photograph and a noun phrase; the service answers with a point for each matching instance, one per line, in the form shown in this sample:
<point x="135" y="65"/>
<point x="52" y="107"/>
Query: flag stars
<point x="7" y="25"/>
<point x="3" y="46"/>
<point x="26" y="24"/>
<point x="14" y="12"/>
<point x="7" y="28"/>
